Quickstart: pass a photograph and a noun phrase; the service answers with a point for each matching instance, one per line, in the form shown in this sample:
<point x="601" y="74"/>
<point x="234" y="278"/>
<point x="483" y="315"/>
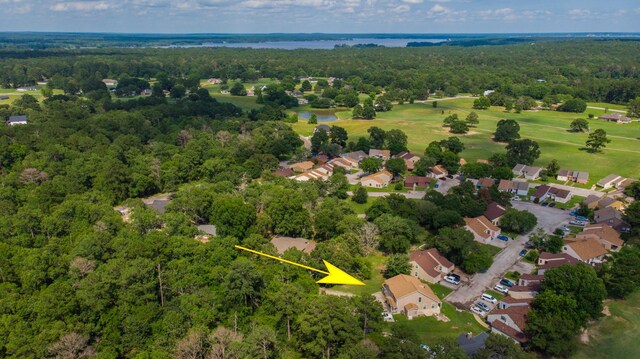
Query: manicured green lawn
<point x="359" y="208"/>
<point x="431" y="330"/>
<point x="423" y="124"/>
<point x="440" y="290"/>
<point x="615" y="336"/>
<point x="377" y="261"/>
<point x="572" y="202"/>
<point x="389" y="188"/>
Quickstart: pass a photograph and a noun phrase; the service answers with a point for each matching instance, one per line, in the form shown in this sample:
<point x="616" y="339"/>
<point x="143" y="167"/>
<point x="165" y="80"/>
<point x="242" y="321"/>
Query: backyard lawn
<point x="615" y="336"/>
<point x="377" y="261"/>
<point x="430" y="330"/>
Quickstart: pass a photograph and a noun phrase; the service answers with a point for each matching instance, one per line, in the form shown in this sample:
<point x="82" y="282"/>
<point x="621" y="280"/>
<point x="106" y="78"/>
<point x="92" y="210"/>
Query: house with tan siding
<point x="430" y="265"/>
<point x="377" y="180"/>
<point x="407" y="295"/>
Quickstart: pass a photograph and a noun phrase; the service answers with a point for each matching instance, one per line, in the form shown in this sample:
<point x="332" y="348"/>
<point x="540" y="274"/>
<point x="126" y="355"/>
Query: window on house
<point x="420" y="300"/>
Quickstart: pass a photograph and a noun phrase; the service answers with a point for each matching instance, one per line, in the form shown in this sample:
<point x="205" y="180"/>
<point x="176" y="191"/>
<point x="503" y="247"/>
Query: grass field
<point x="615" y="336"/>
<point x="377" y="261"/>
<point x="423" y="124"/>
<point x="430" y="330"/>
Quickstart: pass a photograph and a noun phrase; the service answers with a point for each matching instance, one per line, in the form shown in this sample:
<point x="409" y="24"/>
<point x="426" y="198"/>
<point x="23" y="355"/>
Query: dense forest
<point x="589" y="69"/>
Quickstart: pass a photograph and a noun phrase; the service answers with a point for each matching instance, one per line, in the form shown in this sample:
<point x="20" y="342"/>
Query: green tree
<point x="523" y="151"/>
<point x="396" y="166"/>
<point x="518" y="221"/>
<point x="573" y="105"/>
<point x="634" y="107"/>
<point x="313" y="119"/>
<point x="360" y="195"/>
<point x="553" y="323"/>
<point x="421" y="167"/>
<point x="597" y="140"/>
<point x="507" y="131"/>
<point x="238" y="89"/>
<point x="581" y="283"/>
<point x="306" y="86"/>
<point x="481" y="103"/>
<point x="621" y="274"/>
<point x="472" y="119"/>
<point x="339" y="136"/>
<point x="396" y="233"/>
<point x="371" y="164"/>
<point x="459" y="127"/>
<point x="232" y="216"/>
<point x="397" y="264"/>
<point x="318" y="140"/>
<point x="501" y="347"/>
<point x="396" y="141"/>
<point x="449" y="120"/>
<point x="552" y="168"/>
<point x="453" y="144"/>
<point x="579" y="125"/>
<point x="377" y="137"/>
<point x="450" y="161"/>
<point x="633" y="190"/>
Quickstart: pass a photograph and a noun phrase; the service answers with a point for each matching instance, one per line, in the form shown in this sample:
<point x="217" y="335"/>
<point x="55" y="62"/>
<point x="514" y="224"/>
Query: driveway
<point x="445" y="186"/>
<point x="508" y="259"/>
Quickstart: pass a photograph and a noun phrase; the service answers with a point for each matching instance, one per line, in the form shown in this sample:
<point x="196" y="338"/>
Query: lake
<point x="319" y="44"/>
<point x="322" y="117"/>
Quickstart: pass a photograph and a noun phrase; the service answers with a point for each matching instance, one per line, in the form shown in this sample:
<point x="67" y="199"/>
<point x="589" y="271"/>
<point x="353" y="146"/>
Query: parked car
<point x="508" y="283"/>
<point x="478" y="311"/>
<point x="577" y="223"/>
<point x="425" y="347"/>
<point x="552" y="204"/>
<point x="387" y="316"/>
<point x="515" y="198"/>
<point x="483" y="306"/>
<point x="500" y="288"/>
<point x="503" y="238"/>
<point x="582" y="218"/>
<point x="452" y="278"/>
<point x="544" y="204"/>
<point x="573" y="212"/>
<point x="565" y="229"/>
<point x="523" y="252"/>
<point x="489" y="298"/>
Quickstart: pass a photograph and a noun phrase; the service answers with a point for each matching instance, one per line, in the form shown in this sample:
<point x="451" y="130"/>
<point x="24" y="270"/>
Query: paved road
<point x="307" y="142"/>
<point x="608" y="109"/>
<point x="410" y="194"/>
<point x="508" y="259"/>
<point x="445" y="186"/>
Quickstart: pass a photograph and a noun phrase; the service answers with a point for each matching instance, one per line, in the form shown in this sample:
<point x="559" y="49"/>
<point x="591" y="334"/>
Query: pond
<point x="322" y="117"/>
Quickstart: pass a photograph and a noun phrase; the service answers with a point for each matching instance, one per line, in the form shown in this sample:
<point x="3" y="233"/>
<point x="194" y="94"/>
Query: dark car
<point x="523" y="252"/>
<point x="552" y="205"/>
<point x="544" y="204"/>
<point x="508" y="283"/>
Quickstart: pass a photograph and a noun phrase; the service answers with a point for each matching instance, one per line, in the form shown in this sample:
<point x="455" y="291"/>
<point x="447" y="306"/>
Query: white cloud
<point x="413" y="1"/>
<point x="506" y="13"/>
<point x="82" y="6"/>
<point x="580" y="13"/>
<point x="401" y="8"/>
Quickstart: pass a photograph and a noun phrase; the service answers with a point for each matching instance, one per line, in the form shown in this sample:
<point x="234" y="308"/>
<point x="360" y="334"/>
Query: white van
<point x="489" y="298"/>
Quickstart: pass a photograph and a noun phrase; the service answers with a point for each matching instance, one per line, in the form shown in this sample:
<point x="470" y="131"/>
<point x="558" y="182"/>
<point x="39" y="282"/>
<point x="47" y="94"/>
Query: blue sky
<point x="331" y="16"/>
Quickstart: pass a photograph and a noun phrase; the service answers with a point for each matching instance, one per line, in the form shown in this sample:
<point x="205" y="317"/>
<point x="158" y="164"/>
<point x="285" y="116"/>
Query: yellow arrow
<point x="335" y="275"/>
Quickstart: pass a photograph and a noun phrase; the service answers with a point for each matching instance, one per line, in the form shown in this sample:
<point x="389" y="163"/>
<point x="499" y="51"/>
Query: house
<point x="528" y="291"/>
<point x="615" y="117"/>
<point x="488" y="92"/>
<point x="483" y="230"/>
<point x="110" y="82"/>
<point x="485" y="182"/>
<point x="321" y="174"/>
<point x="146" y="92"/>
<point x="510" y="322"/>
<point x="27" y="88"/>
<point x="301" y="166"/>
<point x="606" y="214"/>
<point x="588" y="250"/>
<point x="529" y="172"/>
<point x="208" y="229"/>
<point x="520" y="188"/>
<point x="406" y="294"/>
<point x="283" y="244"/>
<point x="284" y="172"/>
<point x="382" y="154"/>
<point x="470" y="344"/>
<point x="529" y="279"/>
<point x="494" y="212"/>
<point x="17" y="120"/>
<point x="508" y="302"/>
<point x="609" y="238"/>
<point x="356" y="155"/>
<point x="214" y="81"/>
<point x="377" y="180"/>
<point x="344" y="162"/>
<point x="303" y="101"/>
<point x="610" y="181"/>
<point x="321" y="159"/>
<point x="548" y="260"/>
<point x="158" y="205"/>
<point x="251" y="93"/>
<point x="574" y="176"/>
<point x="438" y="172"/>
<point x="505" y="185"/>
<point x="559" y="195"/>
<point x="591" y="201"/>
<point x="462" y="162"/>
<point x="429" y="265"/>
<point x="224" y="92"/>
<point x="417" y="182"/>
<point x="323" y="127"/>
<point x="409" y="159"/>
<point x="4" y="97"/>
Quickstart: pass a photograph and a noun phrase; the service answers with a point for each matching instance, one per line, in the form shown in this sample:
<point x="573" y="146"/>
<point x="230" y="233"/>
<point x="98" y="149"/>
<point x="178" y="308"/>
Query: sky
<point x="327" y="16"/>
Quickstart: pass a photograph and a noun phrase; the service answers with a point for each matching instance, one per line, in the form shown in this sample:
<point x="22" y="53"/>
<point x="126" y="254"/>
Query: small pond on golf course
<point x="322" y="116"/>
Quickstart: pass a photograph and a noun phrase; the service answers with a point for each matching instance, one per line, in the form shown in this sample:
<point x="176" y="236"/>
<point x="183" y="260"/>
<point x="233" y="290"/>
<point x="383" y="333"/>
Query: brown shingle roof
<point x="284" y="243"/>
<point x="284" y="172"/>
<point x="587" y="248"/>
<point x="507" y="330"/>
<point x="602" y="231"/>
<point x="494" y="211"/>
<point x="517" y="313"/>
<point x="429" y="259"/>
<point x="380" y="177"/>
<point x="479" y="225"/>
<point x="505" y="185"/>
